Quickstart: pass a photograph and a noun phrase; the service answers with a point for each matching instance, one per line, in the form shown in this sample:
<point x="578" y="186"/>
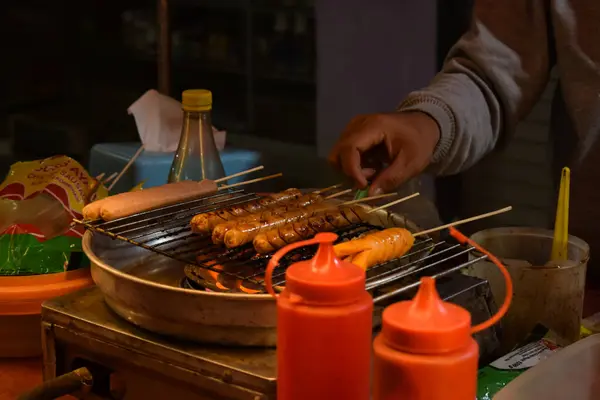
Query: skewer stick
<point x="393" y="203"/>
<point x="338" y="194"/>
<point x="110" y="178"/>
<point x="95" y="188"/>
<point x="264" y="178"/>
<point x="126" y="167"/>
<point x="379" y="196"/>
<point x="248" y="171"/>
<point x="464" y="221"/>
<point x="327" y="189"/>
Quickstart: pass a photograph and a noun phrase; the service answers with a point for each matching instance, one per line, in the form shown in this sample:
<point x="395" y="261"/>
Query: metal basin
<point x="145" y="289"/>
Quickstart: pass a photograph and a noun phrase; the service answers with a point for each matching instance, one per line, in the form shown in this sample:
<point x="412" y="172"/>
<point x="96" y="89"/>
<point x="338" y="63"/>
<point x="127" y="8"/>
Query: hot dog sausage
<point x="311" y="201"/>
<point x="205" y="222"/>
<point x="124" y="204"/>
<point x="329" y="220"/>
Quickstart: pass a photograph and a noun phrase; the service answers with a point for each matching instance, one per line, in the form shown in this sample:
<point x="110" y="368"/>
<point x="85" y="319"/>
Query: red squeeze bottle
<point x="324" y="326"/>
<point x="425" y="350"/>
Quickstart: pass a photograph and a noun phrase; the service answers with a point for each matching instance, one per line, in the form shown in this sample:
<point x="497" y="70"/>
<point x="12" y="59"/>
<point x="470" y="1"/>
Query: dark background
<point x="71" y="68"/>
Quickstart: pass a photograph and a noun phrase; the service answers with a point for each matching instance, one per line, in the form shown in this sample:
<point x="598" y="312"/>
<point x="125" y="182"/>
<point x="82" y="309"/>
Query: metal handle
<point x="80" y="379"/>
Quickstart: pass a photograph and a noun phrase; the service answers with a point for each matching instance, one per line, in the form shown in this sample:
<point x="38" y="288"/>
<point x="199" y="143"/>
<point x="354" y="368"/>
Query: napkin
<point x="158" y="119"/>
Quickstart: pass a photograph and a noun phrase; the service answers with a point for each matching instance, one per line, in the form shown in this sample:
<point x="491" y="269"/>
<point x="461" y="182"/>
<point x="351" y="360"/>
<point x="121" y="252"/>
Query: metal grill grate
<point x="166" y="231"/>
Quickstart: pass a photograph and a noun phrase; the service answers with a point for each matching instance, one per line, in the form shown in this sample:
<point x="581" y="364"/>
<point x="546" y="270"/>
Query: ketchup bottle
<point x="324" y="327"/>
<point x="425" y="350"/>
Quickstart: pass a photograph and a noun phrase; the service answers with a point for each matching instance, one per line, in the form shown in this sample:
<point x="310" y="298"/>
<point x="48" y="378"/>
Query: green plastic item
<point x="24" y="254"/>
<point x="361" y="193"/>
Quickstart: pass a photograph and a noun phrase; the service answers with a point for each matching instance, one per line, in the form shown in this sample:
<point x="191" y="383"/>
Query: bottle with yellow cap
<point x="197" y="156"/>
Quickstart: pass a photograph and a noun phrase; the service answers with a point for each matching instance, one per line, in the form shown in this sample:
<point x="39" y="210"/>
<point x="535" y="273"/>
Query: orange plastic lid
<point x="24" y="295"/>
<point x="426" y="324"/>
<point x="325" y="278"/>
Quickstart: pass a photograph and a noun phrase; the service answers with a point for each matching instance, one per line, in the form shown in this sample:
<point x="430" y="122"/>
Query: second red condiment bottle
<point x="425" y="350"/>
<point x="324" y="327"/>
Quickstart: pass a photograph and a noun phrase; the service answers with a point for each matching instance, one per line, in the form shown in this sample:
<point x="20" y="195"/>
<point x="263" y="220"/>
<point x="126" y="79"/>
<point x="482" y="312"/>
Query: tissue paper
<point x="158" y="119"/>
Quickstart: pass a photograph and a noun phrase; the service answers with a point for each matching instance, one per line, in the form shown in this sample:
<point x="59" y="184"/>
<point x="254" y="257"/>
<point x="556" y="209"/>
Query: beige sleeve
<point x="491" y="79"/>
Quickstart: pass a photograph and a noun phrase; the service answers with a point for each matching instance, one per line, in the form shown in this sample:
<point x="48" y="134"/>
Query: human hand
<point x="405" y="141"/>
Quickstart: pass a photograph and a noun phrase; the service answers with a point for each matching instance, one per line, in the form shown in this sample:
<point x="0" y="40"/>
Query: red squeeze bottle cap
<point x="426" y="324"/>
<point x="324" y="278"/>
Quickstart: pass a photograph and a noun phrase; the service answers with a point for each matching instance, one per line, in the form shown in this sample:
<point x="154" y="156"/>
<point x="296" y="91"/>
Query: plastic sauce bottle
<point x="425" y="350"/>
<point x="324" y="327"/>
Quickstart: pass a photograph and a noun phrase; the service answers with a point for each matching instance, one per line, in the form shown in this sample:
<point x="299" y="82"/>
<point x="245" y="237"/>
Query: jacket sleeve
<point x="491" y="79"/>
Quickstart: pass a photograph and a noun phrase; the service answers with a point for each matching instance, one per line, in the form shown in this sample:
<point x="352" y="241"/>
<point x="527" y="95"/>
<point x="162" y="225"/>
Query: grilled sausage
<point x="124" y="204"/>
<point x="376" y="248"/>
<point x="219" y="231"/>
<point x="327" y="221"/>
<point x="246" y="232"/>
<point x="205" y="222"/>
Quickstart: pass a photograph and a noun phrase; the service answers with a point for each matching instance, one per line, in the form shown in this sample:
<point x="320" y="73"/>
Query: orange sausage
<point x="376" y="248"/>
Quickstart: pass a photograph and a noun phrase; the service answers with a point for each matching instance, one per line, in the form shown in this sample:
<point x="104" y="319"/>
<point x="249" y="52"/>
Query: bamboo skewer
<point x="338" y="194"/>
<point x="393" y="203"/>
<point x="379" y="196"/>
<point x="264" y="178"/>
<point x="110" y="178"/>
<point x="97" y="184"/>
<point x="126" y="167"/>
<point x="327" y="189"/>
<point x="248" y="171"/>
<point x="464" y="221"/>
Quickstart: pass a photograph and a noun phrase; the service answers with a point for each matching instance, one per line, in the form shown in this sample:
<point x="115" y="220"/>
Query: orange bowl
<point x="21" y="299"/>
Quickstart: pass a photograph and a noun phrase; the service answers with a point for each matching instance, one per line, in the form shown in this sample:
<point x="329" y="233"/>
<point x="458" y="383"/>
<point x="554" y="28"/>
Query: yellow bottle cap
<point x="197" y="100"/>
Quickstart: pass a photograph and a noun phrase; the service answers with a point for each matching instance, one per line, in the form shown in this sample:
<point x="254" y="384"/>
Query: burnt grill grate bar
<point x="393" y="276"/>
<point x="438" y="275"/>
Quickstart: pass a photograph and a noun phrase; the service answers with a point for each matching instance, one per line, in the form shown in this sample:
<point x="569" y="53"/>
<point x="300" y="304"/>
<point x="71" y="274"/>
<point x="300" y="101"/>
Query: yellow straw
<point x="560" y="245"/>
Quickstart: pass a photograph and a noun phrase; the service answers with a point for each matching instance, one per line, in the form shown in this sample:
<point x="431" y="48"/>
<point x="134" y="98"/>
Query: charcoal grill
<point x="221" y="299"/>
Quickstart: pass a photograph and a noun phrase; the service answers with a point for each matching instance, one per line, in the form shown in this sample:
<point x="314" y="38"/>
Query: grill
<point x="166" y="231"/>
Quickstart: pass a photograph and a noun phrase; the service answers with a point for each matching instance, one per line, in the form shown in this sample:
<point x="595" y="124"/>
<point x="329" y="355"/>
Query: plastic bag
<point x="492" y="378"/>
<point x="38" y="201"/>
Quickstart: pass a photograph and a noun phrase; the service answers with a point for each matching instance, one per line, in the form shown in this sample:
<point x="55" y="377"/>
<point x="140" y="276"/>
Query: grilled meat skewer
<point x="376" y="248"/>
<point x="128" y="203"/>
<point x="205" y="222"/>
<point x="245" y="232"/>
<point x="309" y="200"/>
<point x="327" y="221"/>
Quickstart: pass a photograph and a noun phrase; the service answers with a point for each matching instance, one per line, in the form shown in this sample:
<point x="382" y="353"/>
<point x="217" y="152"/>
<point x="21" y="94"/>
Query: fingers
<point x="369" y="172"/>
<point x="393" y="176"/>
<point x="350" y="163"/>
<point x="358" y="137"/>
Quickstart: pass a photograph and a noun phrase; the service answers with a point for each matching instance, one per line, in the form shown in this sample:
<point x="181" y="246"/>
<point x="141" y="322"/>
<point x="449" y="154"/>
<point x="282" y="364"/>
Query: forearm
<point x="491" y="79"/>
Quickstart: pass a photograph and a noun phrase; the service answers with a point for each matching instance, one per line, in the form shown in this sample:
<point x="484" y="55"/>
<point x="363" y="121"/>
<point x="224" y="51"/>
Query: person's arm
<point x="491" y="79"/>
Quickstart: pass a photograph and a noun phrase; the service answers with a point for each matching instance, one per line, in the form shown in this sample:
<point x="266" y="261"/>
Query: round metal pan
<point x="145" y="289"/>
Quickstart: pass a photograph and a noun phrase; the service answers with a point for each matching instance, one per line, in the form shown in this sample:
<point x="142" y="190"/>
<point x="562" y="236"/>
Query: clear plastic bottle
<point x="197" y="157"/>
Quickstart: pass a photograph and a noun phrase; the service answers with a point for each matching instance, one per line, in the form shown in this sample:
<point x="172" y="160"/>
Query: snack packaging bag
<point x="492" y="378"/>
<point x="38" y="201"/>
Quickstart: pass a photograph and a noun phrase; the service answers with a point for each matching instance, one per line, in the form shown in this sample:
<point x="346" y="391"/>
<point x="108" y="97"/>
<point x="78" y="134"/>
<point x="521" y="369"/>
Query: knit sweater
<point x="497" y="71"/>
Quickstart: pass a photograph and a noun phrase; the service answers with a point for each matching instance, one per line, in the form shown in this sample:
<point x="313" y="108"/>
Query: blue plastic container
<point x="154" y="167"/>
